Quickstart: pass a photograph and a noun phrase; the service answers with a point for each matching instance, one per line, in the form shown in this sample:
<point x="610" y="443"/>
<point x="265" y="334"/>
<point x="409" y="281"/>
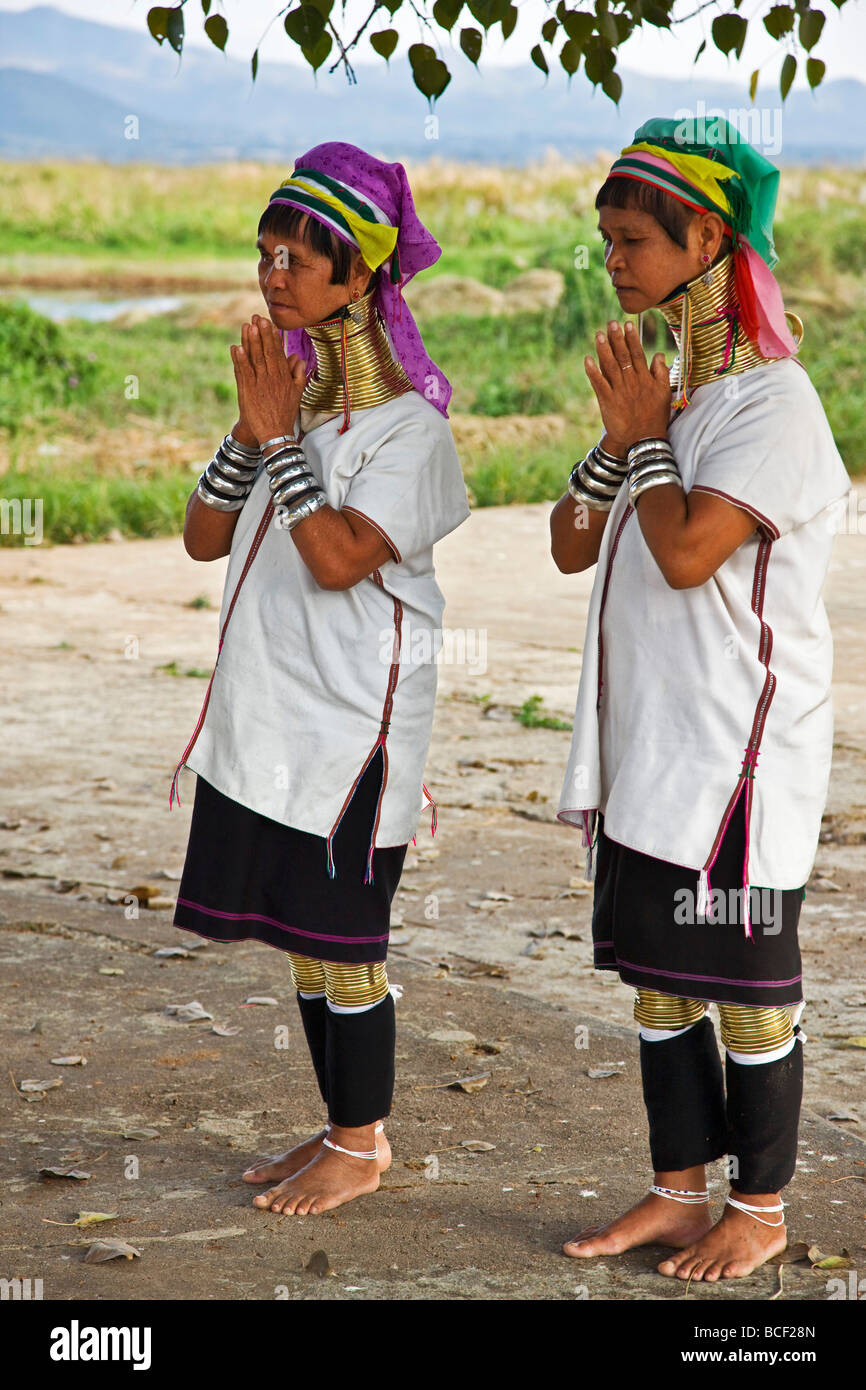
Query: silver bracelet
<point x="596" y="480"/>
<point x="642" y="485"/>
<point x="240" y="452"/>
<point x="212" y="499"/>
<point x="649" y="445"/>
<point x="651" y="463"/>
<point x="288" y="518"/>
<point x="278" y="439"/>
<point x="279" y="462"/>
<point x="297" y="487"/>
<point x="612" y="460"/>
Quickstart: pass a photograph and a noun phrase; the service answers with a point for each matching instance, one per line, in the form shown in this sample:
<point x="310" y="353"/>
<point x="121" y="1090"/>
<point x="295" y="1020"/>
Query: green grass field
<point x="110" y="424"/>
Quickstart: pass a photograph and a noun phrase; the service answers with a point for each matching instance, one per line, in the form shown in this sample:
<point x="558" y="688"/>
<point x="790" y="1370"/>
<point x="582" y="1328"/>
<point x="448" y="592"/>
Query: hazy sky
<point x="842" y="46"/>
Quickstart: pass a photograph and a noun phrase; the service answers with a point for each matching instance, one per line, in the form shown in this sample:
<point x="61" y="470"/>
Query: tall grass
<point x="109" y="424"/>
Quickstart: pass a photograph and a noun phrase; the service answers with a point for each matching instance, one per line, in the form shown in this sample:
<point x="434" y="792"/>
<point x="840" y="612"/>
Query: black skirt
<point x="247" y="877"/>
<point x="644" y="925"/>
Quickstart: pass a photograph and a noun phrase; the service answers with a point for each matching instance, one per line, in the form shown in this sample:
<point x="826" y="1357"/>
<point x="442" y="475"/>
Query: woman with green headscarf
<point x="709" y="506"/>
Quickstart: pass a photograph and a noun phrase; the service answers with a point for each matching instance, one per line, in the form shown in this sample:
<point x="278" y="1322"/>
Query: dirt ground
<point x="490" y="939"/>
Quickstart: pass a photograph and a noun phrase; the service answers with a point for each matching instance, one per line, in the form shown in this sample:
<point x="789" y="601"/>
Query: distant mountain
<point x="67" y="86"/>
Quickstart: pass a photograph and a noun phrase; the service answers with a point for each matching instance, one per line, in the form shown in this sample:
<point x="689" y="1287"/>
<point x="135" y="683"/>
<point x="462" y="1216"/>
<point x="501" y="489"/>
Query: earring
<point x="356" y="294"/>
<point x="707" y="277"/>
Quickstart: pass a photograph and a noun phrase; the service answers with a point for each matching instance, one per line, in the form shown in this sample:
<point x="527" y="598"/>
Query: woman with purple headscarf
<point x="328" y="496"/>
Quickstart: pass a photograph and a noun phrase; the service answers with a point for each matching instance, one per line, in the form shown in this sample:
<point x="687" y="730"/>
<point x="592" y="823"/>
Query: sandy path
<point x="93" y="730"/>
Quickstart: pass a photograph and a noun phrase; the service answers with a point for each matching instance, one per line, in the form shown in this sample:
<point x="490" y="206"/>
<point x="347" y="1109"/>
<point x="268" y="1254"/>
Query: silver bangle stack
<point x="226" y="482"/>
<point x="294" y="488"/>
<point x="597" y="479"/>
<point x="651" y="462"/>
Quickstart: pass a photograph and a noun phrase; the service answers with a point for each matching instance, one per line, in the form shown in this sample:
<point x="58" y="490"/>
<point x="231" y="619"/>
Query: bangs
<point x="279" y="219"/>
<point x="675" y="217"/>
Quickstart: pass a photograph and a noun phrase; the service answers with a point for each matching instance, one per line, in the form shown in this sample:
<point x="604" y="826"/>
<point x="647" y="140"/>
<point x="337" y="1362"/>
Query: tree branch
<point x="683" y="19"/>
<point x="378" y="6"/>
<point x="343" y="58"/>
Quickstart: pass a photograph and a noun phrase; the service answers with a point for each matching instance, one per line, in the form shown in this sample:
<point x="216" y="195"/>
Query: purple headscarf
<point x="387" y="186"/>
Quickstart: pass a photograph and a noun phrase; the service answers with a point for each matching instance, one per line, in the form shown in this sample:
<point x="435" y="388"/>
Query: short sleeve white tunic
<point x="309" y="682"/>
<point x="688" y="695"/>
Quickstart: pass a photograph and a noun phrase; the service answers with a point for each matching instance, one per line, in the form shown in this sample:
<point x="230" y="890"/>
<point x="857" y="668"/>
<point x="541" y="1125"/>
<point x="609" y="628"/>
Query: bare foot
<point x="329" y="1179"/>
<point x="652" y="1221"/>
<point x="735" y="1246"/>
<point x="287" y="1164"/>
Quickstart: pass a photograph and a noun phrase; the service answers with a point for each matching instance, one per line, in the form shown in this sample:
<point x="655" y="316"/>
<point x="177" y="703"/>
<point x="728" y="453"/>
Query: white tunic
<point x="687" y="694"/>
<point x="309" y="681"/>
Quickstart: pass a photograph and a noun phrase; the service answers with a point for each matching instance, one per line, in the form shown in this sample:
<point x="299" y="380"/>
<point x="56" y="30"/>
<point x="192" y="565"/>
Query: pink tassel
<point x="774" y="336"/>
<point x="368" y="876"/>
<point x="433" y="817"/>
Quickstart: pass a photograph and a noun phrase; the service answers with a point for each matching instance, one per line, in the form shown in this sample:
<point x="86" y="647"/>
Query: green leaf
<point x="578" y="26"/>
<point x="316" y="52"/>
<point x="488" y="12"/>
<point x="779" y="20"/>
<point x="205" y="4"/>
<point x="811" y="24"/>
<point x="305" y="26"/>
<point x="548" y="30"/>
<point x="392" y="6"/>
<point x="753" y="85"/>
<point x="789" y="72"/>
<point x="701" y="46"/>
<point x="384" y="41"/>
<point x="624" y="27"/>
<point x="157" y="22"/>
<point x="508" y="24"/>
<point x="217" y="31"/>
<point x="654" y="14"/>
<point x="472" y="42"/>
<point x="729" y="33"/>
<point x="611" y="85"/>
<point x="569" y="57"/>
<point x="429" y="73"/>
<point x="323" y="6"/>
<point x="174" y="28"/>
<point x="815" y="70"/>
<point x="255" y="63"/>
<point x="607" y="28"/>
<point x="598" y="63"/>
<point x="561" y="11"/>
<point x="445" y="12"/>
<point x="538" y="58"/>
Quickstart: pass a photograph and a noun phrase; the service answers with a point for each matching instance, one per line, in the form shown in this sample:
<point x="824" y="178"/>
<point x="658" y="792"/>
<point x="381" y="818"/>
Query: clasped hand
<point x="634" y="399"/>
<point x="270" y="385"/>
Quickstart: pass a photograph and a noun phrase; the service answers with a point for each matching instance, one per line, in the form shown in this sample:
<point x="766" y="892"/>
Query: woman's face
<point x="295" y="282"/>
<point x="643" y="263"/>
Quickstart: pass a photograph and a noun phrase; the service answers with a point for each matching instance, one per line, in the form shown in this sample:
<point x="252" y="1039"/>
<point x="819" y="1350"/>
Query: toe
<point x="714" y="1272"/>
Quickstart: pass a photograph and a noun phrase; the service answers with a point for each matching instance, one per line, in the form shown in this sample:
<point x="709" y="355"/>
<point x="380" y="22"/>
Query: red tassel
<point x="745" y="292"/>
<point x="344" y="374"/>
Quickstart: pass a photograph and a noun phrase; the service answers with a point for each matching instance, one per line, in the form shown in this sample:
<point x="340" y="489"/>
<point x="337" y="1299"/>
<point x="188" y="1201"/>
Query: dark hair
<point x="675" y="217"/>
<point x="279" y="219"/>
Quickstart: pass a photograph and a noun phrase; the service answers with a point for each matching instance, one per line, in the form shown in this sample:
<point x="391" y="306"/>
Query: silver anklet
<point x="750" y="1211"/>
<point x="353" y="1153"/>
<point x="681" y="1194"/>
